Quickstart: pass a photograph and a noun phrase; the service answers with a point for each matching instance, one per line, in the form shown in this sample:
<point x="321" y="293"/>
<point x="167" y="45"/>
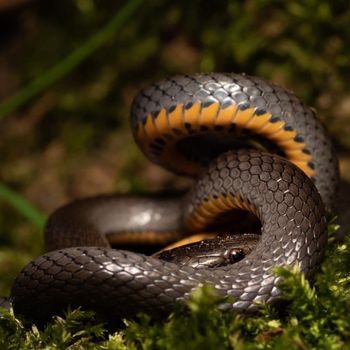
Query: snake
<point x="251" y="146"/>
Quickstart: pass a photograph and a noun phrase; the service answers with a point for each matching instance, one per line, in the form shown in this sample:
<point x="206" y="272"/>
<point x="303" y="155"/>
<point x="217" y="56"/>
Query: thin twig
<point x="25" y="208"/>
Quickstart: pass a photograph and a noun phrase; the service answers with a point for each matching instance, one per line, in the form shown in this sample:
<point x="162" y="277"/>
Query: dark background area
<point x="73" y="140"/>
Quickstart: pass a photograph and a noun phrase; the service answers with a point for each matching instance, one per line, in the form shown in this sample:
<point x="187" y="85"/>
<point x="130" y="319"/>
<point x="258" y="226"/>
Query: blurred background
<point x="75" y="66"/>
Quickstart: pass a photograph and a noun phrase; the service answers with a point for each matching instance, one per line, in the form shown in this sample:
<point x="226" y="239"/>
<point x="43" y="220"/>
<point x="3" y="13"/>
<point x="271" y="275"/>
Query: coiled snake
<point x="234" y="133"/>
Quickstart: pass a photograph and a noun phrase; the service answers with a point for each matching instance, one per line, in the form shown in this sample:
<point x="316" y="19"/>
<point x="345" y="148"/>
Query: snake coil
<point x="252" y="146"/>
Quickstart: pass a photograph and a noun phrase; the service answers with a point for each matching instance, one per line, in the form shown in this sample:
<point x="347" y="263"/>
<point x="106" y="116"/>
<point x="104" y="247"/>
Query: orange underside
<point x="171" y="127"/>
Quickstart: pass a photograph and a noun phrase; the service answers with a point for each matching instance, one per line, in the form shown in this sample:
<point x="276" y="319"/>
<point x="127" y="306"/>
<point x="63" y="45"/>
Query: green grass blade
<point x="66" y="65"/>
<point x="22" y="206"/>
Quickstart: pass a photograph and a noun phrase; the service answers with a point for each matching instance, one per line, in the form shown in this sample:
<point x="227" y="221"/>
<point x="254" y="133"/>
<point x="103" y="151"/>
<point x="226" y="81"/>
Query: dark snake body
<point x="219" y="112"/>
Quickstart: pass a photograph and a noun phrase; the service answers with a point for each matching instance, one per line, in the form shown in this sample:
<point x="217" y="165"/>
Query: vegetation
<point x="68" y="73"/>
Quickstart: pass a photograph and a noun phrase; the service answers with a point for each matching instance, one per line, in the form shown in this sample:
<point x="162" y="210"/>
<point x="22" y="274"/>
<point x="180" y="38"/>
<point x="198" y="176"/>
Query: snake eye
<point x="235" y="255"/>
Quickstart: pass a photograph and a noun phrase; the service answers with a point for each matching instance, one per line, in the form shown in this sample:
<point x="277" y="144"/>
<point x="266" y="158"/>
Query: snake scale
<point x="252" y="146"/>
